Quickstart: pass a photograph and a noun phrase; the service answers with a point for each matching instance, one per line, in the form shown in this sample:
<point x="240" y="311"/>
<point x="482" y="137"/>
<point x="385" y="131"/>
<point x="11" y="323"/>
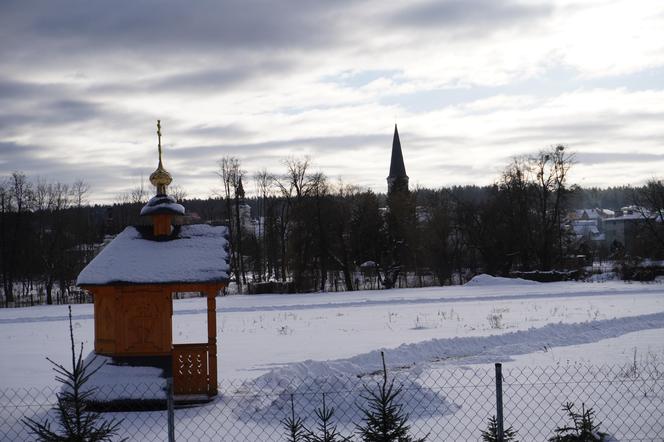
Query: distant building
<point x="624" y="227"/>
<point x="587" y="224"/>
<point x="247" y="225"/>
<point x="591" y="214"/>
<point x="397" y="180"/>
<point x="587" y="230"/>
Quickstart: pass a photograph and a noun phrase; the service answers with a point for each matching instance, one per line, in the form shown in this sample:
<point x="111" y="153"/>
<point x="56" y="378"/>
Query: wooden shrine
<point x="134" y="278"/>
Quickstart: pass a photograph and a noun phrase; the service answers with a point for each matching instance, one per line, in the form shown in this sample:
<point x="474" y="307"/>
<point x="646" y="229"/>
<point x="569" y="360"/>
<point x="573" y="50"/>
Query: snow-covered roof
<point x="592" y="214"/>
<point x="162" y="204"/>
<point x="196" y="253"/>
<point x="631" y="213"/>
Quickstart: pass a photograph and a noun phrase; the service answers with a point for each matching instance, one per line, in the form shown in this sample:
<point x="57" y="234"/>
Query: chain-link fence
<point x="446" y="404"/>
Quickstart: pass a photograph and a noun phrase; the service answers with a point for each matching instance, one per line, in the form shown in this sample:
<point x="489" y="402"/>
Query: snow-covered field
<point x="272" y="338"/>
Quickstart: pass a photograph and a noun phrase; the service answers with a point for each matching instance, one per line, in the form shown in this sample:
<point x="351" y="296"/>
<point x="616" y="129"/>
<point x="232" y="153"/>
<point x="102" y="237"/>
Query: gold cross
<point x="159" y="137"/>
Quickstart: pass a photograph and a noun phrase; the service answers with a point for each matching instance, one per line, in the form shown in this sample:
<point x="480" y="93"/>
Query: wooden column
<point x="212" y="339"/>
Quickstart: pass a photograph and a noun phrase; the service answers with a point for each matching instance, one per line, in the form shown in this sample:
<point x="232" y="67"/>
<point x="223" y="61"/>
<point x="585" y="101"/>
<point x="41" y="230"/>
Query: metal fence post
<point x="499" y="402"/>
<point x="171" y="414"/>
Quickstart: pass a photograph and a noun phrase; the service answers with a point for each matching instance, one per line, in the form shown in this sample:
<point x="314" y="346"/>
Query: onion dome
<point x="160" y="178"/>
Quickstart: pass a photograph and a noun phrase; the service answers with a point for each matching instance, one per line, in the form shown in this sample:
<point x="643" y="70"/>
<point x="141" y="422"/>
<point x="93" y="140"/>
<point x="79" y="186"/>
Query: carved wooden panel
<point x="146" y="321"/>
<point x="190" y="369"/>
<point x="105" y="321"/>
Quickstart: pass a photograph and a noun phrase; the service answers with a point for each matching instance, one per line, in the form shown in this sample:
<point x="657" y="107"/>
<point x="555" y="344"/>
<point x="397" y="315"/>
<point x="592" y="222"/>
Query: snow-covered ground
<point x="267" y="339"/>
<point x="262" y="332"/>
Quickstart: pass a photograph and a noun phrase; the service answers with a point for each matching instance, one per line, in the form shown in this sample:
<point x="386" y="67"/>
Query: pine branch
<point x="294" y="425"/>
<point x="491" y="433"/>
<point x="75" y="420"/>
<point x="384" y="419"/>
<point x="327" y="430"/>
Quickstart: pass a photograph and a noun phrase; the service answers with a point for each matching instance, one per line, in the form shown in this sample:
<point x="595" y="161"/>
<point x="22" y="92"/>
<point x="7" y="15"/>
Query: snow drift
<point x="485" y="280"/>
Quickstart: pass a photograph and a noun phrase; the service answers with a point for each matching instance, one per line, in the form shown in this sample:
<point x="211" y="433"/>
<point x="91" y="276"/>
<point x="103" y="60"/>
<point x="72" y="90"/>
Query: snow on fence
<point x="442" y="404"/>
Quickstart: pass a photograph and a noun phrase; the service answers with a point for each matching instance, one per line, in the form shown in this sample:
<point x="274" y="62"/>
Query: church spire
<point x="240" y="191"/>
<point x="397" y="181"/>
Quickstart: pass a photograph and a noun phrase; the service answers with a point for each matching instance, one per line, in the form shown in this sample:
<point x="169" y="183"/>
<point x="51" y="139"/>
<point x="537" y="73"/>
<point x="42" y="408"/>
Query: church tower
<point x="397" y="181"/>
<point x="240" y="191"/>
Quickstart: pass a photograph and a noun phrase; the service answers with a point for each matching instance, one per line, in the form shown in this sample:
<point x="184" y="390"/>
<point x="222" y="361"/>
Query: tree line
<point x="312" y="233"/>
<point x="319" y="234"/>
<point x="47" y="233"/>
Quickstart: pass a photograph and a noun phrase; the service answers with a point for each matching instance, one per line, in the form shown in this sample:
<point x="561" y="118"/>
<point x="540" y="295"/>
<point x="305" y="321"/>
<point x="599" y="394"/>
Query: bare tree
<point x="340" y="220"/>
<point x="55" y="239"/>
<point x="551" y="169"/>
<point x="178" y="192"/>
<point x="319" y="191"/>
<point x="296" y="182"/>
<point x="5" y="256"/>
<point x="138" y="194"/>
<point x="79" y="191"/>
<point x="263" y="181"/>
<point x="533" y="194"/>
<point x="296" y="242"/>
<point x="17" y="198"/>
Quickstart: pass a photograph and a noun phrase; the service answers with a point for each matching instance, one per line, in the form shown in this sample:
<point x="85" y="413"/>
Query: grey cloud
<point x="589" y="158"/>
<point x="172" y="26"/>
<point x="44" y="104"/>
<point x="210" y="80"/>
<point x="204" y="47"/>
<point x="203" y="80"/>
<point x="453" y="168"/>
<point x="417" y="142"/>
<point x="544" y="135"/>
<point x="10" y="151"/>
<point x="318" y="144"/>
<point x="106" y="181"/>
<point x="62" y="111"/>
<point x="457" y="14"/>
<point x="30" y="107"/>
<point x="209" y="46"/>
<point x="51" y="113"/>
<point x="216" y="131"/>
<point x="581" y="127"/>
<point x="11" y="89"/>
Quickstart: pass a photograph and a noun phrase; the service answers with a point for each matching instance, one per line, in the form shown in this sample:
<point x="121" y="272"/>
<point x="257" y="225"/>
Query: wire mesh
<point x="442" y="404"/>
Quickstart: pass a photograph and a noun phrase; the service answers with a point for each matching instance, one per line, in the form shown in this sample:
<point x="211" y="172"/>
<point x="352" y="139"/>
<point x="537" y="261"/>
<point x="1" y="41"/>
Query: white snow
<point x="259" y="333"/>
<point x="198" y="254"/>
<point x="485" y="280"/>
<point x="174" y="208"/>
<point x="113" y="381"/>
<point x="303" y="343"/>
<point x="162" y="204"/>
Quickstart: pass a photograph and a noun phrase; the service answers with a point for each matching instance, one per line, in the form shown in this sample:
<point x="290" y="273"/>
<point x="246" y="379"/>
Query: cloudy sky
<point x="471" y="83"/>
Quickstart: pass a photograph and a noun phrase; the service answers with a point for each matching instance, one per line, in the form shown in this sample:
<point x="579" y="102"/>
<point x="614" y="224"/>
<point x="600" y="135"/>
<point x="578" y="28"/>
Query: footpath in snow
<point x="466" y="350"/>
